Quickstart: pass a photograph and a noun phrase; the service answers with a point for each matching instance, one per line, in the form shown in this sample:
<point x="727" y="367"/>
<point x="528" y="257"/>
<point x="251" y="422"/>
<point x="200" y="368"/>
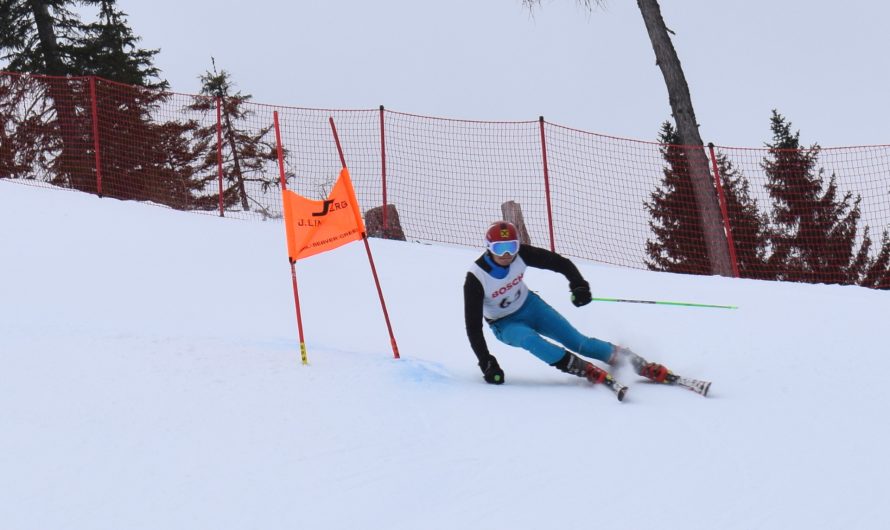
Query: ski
<point x="695" y="385"/>
<point x="597" y="375"/>
<point x="657" y="372"/>
<point x="613" y="385"/>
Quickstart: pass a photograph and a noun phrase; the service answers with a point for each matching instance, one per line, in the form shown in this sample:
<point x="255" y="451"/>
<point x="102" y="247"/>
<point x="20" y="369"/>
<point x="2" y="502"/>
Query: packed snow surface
<point x="150" y="378"/>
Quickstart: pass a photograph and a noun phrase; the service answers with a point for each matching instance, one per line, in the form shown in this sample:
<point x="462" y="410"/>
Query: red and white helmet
<point x="502" y="238"/>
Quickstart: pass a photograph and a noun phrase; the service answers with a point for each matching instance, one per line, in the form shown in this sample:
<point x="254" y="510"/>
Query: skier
<point x="494" y="289"/>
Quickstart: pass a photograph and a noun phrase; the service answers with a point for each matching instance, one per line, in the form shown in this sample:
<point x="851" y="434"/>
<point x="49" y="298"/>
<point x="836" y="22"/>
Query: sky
<point x="821" y="64"/>
<point x="150" y="378"/>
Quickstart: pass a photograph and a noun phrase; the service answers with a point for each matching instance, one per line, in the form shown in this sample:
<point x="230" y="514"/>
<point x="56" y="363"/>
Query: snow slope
<point x="150" y="378"/>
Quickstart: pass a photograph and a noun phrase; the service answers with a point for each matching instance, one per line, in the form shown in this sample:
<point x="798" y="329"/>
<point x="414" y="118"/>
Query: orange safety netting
<point x="582" y="194"/>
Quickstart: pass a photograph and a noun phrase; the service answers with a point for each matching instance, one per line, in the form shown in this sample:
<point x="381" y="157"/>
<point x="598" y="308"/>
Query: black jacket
<point x="538" y="258"/>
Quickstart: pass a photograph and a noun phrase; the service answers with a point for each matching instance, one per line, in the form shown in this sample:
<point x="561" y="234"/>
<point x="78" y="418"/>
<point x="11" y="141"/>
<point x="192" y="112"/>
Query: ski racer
<point x="494" y="290"/>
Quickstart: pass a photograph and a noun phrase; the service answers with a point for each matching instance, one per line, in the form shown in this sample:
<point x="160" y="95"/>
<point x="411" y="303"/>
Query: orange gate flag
<point x="314" y="227"/>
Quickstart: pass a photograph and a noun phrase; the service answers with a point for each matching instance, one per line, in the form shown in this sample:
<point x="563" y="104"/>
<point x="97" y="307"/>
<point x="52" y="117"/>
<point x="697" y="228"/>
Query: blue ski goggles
<point x="500" y="248"/>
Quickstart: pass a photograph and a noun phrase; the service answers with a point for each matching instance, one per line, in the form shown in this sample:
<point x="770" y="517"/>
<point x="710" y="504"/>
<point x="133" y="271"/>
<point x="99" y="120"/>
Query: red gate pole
<point x="95" y="112"/>
<point x="727" y="226"/>
<point x="219" y="163"/>
<point x="293" y="269"/>
<point x="547" y="184"/>
<point x="392" y="338"/>
<point x="383" y="168"/>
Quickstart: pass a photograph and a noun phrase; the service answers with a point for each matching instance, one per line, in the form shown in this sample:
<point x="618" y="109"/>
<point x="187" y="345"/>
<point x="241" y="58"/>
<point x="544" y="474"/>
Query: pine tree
<point x="877" y="273"/>
<point x="108" y="49"/>
<point x="39" y="37"/>
<point x="140" y="158"/>
<point x="749" y="227"/>
<point x="26" y="132"/>
<point x="814" y="230"/>
<point x="245" y="151"/>
<point x="47" y="37"/>
<point x="679" y="244"/>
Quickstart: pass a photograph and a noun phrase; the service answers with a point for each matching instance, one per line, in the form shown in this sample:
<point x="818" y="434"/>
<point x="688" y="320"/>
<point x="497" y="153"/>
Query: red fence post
<point x="547" y="183"/>
<point x="219" y="163"/>
<point x="383" y="168"/>
<point x="95" y="112"/>
<point x="727" y="226"/>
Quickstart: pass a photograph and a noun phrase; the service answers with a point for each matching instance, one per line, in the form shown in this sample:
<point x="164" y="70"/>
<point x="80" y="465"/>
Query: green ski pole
<point x="686" y="304"/>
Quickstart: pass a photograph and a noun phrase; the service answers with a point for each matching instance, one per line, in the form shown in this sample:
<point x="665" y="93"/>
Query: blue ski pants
<point x="535" y="320"/>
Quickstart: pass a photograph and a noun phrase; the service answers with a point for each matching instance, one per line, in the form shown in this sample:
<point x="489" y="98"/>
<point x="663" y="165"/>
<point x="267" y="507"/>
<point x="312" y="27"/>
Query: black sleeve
<point x="473" y="297"/>
<point x="544" y="259"/>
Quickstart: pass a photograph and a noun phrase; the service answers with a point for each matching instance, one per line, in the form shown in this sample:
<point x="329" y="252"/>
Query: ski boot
<point x="660" y="374"/>
<point x="653" y="371"/>
<point x="572" y="364"/>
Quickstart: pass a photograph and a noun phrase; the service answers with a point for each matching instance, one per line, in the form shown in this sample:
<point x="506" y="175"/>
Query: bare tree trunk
<point x="236" y="159"/>
<point x="46" y="32"/>
<point x="62" y="94"/>
<point x="687" y="129"/>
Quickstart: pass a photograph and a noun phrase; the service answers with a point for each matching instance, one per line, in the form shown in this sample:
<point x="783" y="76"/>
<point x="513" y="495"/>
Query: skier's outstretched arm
<point x="473" y="296"/>
<point x="544" y="259"/>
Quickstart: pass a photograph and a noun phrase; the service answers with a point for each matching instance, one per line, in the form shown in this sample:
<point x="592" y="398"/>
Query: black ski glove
<point x="581" y="295"/>
<point x="491" y="371"/>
